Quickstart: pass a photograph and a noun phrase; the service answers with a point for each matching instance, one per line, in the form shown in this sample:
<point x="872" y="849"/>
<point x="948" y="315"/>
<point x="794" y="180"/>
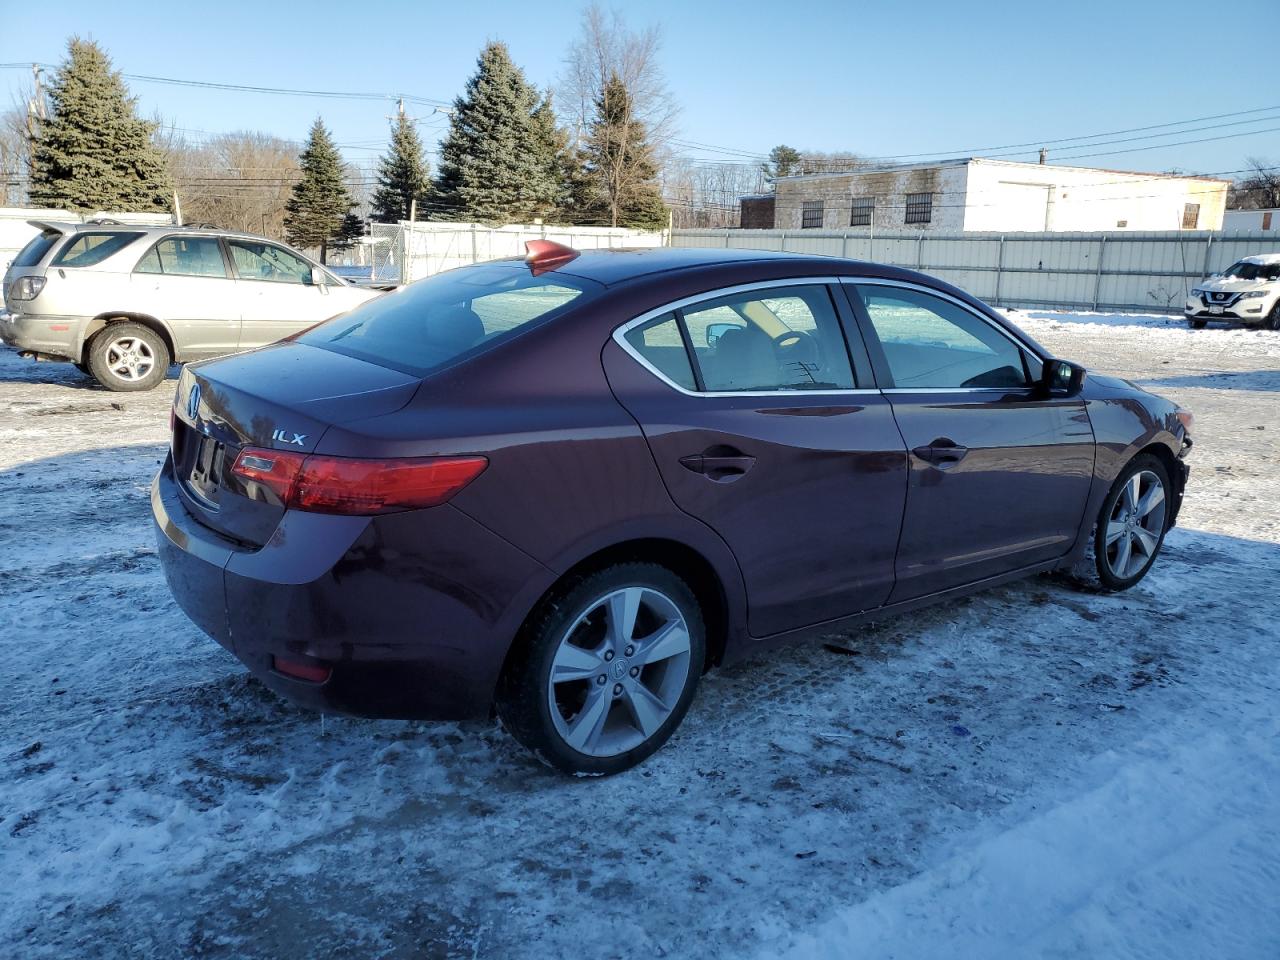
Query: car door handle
<point x="719" y="467"/>
<point x="941" y="451"/>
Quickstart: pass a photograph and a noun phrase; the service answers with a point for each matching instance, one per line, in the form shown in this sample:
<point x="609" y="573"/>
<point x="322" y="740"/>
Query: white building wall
<point x="1007" y="197"/>
<point x="1236" y="221"/>
<point x="946" y="183"/>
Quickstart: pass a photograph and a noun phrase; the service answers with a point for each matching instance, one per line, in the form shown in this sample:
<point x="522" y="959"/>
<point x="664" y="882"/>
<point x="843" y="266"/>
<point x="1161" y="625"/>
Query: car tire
<point x="1197" y="324"/>
<point x="127" y="357"/>
<point x="1112" y="567"/>
<point x="1273" y="318"/>
<point x="580" y="723"/>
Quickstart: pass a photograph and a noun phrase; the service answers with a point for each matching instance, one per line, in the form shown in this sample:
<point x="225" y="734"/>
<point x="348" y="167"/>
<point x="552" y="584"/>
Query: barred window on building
<point x="863" y="210"/>
<point x="919" y="208"/>
<point x="811" y="215"/>
<point x="1190" y="216"/>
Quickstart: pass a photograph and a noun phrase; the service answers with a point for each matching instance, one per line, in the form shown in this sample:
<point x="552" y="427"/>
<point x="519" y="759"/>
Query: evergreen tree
<point x="491" y="167"/>
<point x="403" y="176"/>
<point x="319" y="204"/>
<point x="554" y="156"/>
<point x="620" y="160"/>
<point x="94" y="152"/>
<point x="783" y="162"/>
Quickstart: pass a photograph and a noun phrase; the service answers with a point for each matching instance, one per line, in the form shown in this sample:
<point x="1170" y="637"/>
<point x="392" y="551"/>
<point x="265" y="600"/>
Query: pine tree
<point x="319" y="204"/>
<point x="620" y="160"/>
<point x="783" y="162"/>
<point x="403" y="177"/>
<point x="490" y="169"/>
<point x="556" y="159"/>
<point x="94" y="152"/>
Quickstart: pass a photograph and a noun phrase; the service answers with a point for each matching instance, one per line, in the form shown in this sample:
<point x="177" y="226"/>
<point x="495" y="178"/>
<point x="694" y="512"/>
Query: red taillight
<point x="544" y="255"/>
<point x="320" y="484"/>
<point x="312" y="672"/>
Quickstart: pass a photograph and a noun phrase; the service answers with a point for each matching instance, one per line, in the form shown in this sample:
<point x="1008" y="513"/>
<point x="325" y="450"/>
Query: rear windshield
<point x="90" y="248"/>
<point x="435" y="321"/>
<point x="1244" y="270"/>
<point x="34" y="251"/>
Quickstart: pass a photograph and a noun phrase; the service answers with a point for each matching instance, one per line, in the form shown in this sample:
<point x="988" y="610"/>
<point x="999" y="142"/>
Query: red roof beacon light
<point x="544" y="255"/>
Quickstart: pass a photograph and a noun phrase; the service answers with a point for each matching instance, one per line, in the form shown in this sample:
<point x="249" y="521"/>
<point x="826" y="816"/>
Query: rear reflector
<point x="344" y="485"/>
<point x="312" y="672"/>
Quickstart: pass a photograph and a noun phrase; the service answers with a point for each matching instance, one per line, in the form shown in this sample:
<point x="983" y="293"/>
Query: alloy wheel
<point x="1135" y="525"/>
<point x="619" y="671"/>
<point x="130" y="358"/>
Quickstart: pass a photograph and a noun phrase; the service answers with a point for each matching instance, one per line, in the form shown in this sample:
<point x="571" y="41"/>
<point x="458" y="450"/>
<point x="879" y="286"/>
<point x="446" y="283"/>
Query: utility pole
<point x="35" y="106"/>
<point x="177" y="208"/>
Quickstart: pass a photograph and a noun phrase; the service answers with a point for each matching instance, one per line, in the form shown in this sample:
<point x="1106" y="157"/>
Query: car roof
<point x="150" y="229"/>
<point x="609" y="267"/>
<point x="1261" y="258"/>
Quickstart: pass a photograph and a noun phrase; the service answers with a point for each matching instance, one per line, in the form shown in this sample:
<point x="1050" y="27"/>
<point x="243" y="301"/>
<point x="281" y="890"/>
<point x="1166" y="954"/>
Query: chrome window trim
<point x="921" y="288"/>
<point x="620" y="338"/>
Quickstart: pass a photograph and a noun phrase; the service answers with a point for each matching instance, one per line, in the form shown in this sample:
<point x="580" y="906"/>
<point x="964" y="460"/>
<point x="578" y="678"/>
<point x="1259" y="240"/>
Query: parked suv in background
<point x="1248" y="291"/>
<point x="123" y="302"/>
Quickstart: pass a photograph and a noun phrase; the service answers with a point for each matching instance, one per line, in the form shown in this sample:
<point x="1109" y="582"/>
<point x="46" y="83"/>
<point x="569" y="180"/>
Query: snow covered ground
<point x="1034" y="772"/>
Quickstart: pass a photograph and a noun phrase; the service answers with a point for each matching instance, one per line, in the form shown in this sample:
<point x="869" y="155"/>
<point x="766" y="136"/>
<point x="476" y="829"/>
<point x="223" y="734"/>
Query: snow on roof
<point x="961" y="161"/>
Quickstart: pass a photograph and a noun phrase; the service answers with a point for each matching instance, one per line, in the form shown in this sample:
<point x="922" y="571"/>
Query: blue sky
<point x="878" y="79"/>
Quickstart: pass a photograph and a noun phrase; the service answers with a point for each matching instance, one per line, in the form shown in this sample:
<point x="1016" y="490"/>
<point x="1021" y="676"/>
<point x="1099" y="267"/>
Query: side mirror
<point x="318" y="277"/>
<point x="717" y="330"/>
<point x="1061" y="378"/>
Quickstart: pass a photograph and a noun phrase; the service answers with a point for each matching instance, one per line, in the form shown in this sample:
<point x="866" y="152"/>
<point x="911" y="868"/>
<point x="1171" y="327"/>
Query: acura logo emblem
<point x="193" y="401"/>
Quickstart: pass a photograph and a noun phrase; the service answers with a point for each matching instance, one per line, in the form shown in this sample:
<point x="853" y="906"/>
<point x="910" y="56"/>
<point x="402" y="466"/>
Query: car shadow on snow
<point x="1142" y="320"/>
<point x="16" y="369"/>
<point x="1255" y="381"/>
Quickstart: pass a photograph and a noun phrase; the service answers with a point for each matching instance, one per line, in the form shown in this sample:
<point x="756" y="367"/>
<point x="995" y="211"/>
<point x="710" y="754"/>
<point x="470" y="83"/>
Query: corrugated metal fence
<point x="411" y="251"/>
<point x="1094" y="271"/>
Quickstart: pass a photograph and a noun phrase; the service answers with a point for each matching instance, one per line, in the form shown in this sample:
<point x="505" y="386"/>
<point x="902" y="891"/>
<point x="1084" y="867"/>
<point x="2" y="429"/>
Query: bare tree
<point x="607" y="46"/>
<point x="1260" y="190"/>
<point x="238" y="181"/>
<point x="708" y="194"/>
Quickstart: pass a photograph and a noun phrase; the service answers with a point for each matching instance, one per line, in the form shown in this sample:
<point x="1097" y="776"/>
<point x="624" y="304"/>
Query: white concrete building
<point x="978" y="195"/>
<point x="1240" y="221"/>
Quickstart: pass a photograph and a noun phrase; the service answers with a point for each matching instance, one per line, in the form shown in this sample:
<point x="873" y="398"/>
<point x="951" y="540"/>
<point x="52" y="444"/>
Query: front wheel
<point x="128" y="356"/>
<point x="1130" y="528"/>
<point x="606" y="670"/>
<point x="1273" y="318"/>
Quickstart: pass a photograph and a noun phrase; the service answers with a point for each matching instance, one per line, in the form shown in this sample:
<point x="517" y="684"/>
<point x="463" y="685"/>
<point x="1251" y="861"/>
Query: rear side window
<point x="659" y="342"/>
<point x="87" y="249"/>
<point x="185" y="257"/>
<point x="36" y="248"/>
<point x="433" y="322"/>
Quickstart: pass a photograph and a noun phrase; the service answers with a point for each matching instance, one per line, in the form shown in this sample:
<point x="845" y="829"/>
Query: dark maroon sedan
<point x="566" y="486"/>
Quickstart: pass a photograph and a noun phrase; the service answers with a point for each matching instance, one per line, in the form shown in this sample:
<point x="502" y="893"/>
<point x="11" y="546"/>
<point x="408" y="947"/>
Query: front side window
<point x="435" y="321"/>
<point x="87" y="249"/>
<point x="932" y="344"/>
<point x="784" y="338"/>
<point x="185" y="257"/>
<point x="919" y="208"/>
<point x="36" y="248"/>
<point x="256" y="260"/>
<point x="811" y="214"/>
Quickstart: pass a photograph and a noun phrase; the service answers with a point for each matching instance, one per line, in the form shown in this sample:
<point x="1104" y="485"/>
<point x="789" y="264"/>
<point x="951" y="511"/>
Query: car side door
<point x="999" y="472"/>
<point x="185" y="281"/>
<point x="760" y="429"/>
<point x="279" y="297"/>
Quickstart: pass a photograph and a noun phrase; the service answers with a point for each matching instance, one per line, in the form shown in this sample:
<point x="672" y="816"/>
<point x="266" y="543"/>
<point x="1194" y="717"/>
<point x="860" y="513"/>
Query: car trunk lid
<point x="283" y="397"/>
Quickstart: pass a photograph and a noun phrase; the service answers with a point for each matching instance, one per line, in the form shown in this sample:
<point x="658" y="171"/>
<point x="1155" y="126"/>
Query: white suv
<point x="1248" y="291"/>
<point x="123" y="302"/>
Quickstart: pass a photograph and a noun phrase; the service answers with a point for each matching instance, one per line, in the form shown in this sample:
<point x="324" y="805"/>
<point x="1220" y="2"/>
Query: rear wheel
<point x="128" y="356"/>
<point x="606" y="670"/>
<point x="1130" y="527"/>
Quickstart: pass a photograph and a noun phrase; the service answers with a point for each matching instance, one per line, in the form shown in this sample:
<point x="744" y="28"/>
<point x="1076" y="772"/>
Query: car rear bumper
<point x="51" y="336"/>
<point x="412" y="613"/>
